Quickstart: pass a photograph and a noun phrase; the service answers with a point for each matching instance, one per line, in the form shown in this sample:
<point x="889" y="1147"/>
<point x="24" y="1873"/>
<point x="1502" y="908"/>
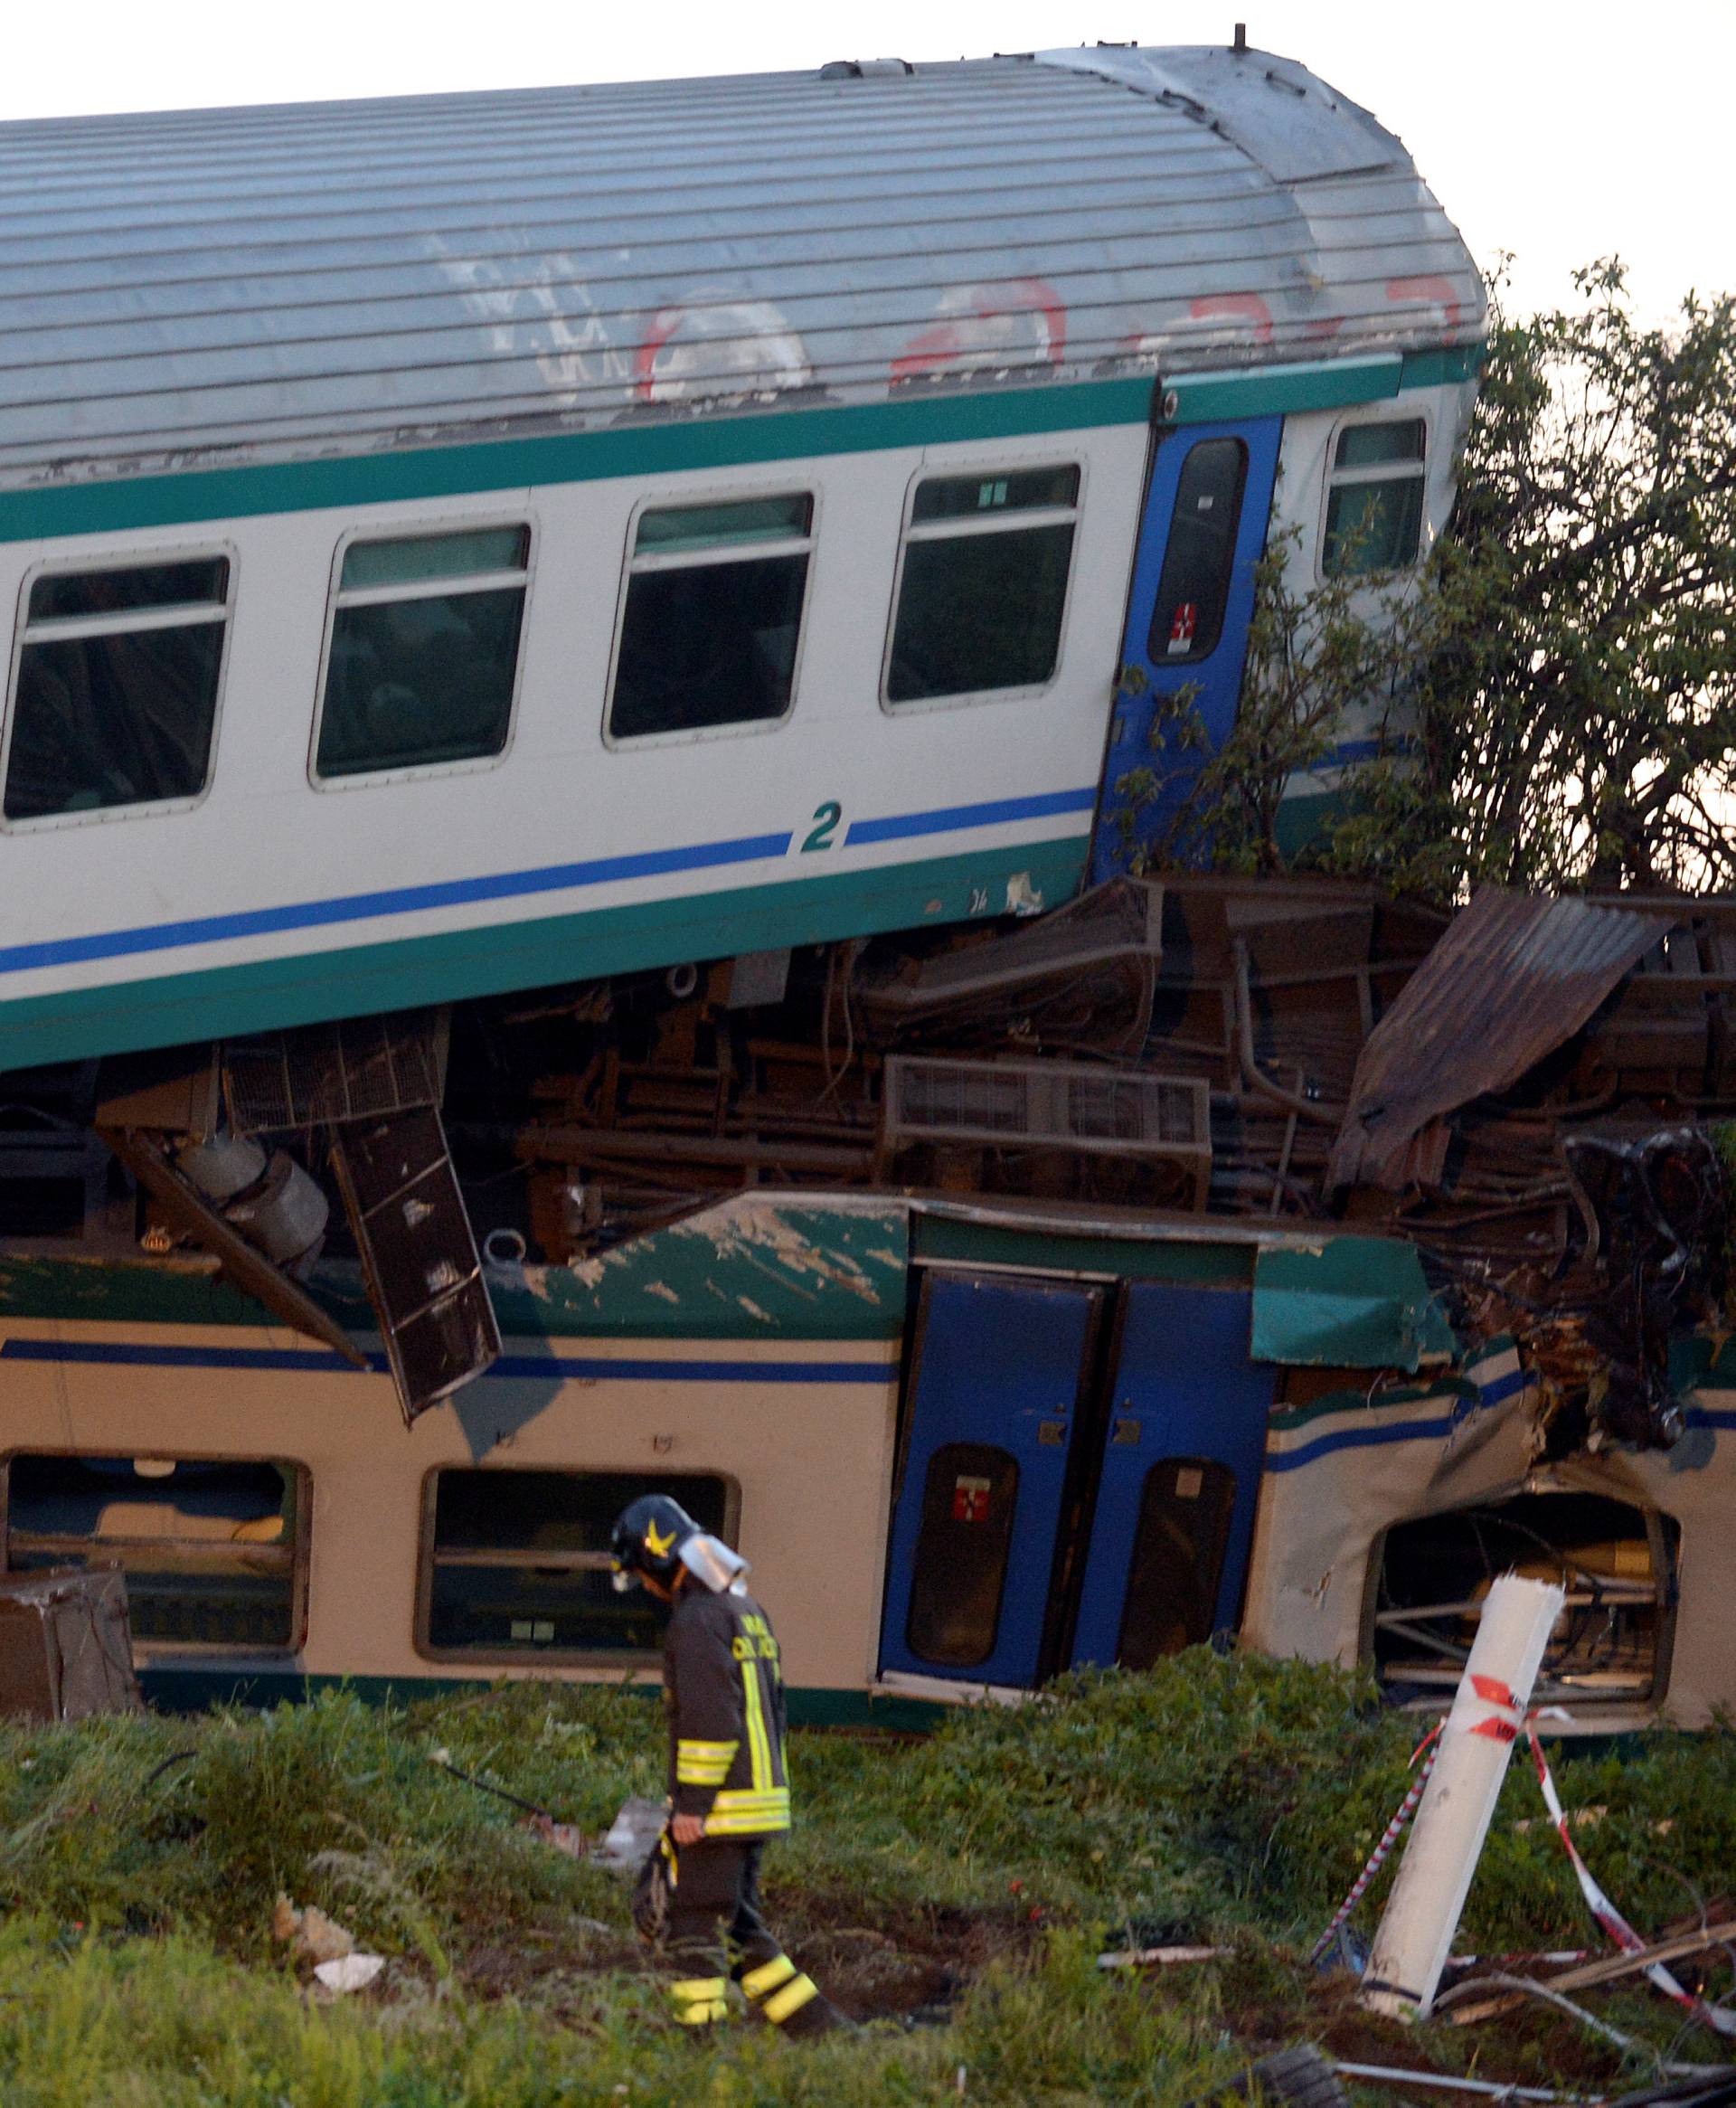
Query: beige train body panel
<point x="812" y="1462"/>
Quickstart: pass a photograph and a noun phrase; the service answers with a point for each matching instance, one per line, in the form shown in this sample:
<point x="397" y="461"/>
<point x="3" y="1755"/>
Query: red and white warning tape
<point x="1388" y="1838"/>
<point x="1605" y="1912"/>
<point x="1502" y="1722"/>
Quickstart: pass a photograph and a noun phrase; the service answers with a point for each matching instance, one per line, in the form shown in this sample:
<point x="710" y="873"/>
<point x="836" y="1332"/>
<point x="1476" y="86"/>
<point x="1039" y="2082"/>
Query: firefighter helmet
<point x="647" y="1539"/>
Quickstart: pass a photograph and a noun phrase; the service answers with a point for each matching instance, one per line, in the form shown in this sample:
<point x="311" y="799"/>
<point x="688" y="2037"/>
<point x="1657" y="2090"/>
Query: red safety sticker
<point x="1182" y="626"/>
<point x="971" y="1500"/>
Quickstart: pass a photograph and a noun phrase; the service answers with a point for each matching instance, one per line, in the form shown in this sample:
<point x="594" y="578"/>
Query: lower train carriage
<point x="963" y="1452"/>
<point x="460" y="544"/>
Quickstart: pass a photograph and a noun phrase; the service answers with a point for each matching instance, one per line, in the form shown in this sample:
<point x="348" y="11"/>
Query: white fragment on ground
<point x="350" y="1972"/>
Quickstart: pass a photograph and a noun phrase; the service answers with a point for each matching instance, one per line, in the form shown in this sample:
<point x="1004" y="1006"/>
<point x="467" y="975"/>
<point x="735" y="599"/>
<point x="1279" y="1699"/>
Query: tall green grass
<point x="1223" y="1797"/>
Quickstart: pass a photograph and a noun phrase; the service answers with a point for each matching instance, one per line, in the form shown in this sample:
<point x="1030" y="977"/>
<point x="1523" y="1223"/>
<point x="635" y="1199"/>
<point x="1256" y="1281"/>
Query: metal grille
<point x="326" y="1074"/>
<point x="1049" y="1105"/>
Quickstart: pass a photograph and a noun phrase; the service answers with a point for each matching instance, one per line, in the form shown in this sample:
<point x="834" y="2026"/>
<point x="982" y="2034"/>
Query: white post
<point x="1422" y="1912"/>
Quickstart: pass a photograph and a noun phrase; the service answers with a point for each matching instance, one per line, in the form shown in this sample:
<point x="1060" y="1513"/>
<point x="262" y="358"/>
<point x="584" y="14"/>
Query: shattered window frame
<point x="1366" y="476"/>
<point x="43" y="630"/>
<point x="529" y="1557"/>
<point x="960" y="527"/>
<point x="707" y="555"/>
<point x="339" y="598"/>
<point x="1561" y="1680"/>
<point x="294" y="1548"/>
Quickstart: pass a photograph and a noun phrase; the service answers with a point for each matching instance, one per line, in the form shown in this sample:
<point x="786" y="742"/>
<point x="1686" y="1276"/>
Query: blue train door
<point x="1203" y="529"/>
<point x="1185" y="1444"/>
<point x="997" y="1377"/>
<point x="1055" y="1504"/>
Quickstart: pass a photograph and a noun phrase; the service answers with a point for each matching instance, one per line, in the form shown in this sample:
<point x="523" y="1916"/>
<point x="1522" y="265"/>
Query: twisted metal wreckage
<point x="1466" y="1165"/>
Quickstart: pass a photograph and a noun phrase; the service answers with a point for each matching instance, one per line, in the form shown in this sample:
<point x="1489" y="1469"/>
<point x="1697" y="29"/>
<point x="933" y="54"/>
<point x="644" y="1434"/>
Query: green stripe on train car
<point x="364" y="979"/>
<point x="670" y="446"/>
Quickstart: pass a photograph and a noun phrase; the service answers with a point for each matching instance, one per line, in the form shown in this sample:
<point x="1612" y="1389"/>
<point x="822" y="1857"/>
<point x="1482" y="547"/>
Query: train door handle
<point x="1126" y="1432"/>
<point x="1051" y="1434"/>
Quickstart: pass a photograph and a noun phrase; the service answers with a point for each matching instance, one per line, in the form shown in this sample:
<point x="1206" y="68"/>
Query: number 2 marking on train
<point x="827" y="817"/>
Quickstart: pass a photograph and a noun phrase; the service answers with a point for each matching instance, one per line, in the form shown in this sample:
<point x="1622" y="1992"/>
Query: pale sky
<point x="1559" y="130"/>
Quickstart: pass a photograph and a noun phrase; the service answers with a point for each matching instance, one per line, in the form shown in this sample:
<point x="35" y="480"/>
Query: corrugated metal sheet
<point x="1511" y="979"/>
<point x="280" y="282"/>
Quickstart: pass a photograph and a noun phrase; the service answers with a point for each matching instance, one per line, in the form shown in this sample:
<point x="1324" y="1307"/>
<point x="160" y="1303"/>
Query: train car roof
<point x="212" y="287"/>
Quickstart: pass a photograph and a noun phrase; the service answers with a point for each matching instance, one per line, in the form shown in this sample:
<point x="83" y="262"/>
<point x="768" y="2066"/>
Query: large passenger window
<point x="712" y="616"/>
<point x="959" y="1577"/>
<point x="982" y="584"/>
<point x="423" y="659"/>
<point x="213" y="1551"/>
<point x="516" y="1563"/>
<point x="116" y="697"/>
<point x="1374" y="498"/>
<point x="1200" y="556"/>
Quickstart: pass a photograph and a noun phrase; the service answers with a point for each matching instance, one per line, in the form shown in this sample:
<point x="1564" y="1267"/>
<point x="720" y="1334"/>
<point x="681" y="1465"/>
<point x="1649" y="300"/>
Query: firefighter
<point x="699" y="1895"/>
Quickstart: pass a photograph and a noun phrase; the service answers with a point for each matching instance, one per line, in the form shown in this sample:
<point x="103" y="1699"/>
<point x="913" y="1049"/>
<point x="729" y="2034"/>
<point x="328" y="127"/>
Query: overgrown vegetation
<point x="968" y="1879"/>
<point x="1553" y="697"/>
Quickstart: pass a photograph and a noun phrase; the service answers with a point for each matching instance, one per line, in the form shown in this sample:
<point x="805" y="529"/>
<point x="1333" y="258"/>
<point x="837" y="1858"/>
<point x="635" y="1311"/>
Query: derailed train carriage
<point x="491" y="544"/>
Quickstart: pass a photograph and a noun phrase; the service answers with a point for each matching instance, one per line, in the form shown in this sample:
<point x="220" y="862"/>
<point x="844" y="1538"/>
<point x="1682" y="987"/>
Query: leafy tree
<point x="1562" y="674"/>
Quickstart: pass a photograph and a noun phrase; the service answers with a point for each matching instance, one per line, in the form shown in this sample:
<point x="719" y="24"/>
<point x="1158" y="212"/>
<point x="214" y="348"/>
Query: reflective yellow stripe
<point x="757" y="1982"/>
<point x="706" y="1753"/>
<point x="758" y="1747"/>
<point x="744" y="1813"/>
<point x="701" y="1774"/>
<point x="781" y="2004"/>
<point x="701" y="2016"/>
<point x="697" y="1987"/>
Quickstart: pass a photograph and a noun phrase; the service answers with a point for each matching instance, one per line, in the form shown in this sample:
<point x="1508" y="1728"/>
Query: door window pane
<point x="1177" y="1563"/>
<point x="968" y="1500"/>
<point x="519" y="1564"/>
<point x="1374" y="499"/>
<point x="119" y="673"/>
<point x="210" y="1550"/>
<point x="423" y="662"/>
<point x="983" y="584"/>
<point x="1200" y="555"/>
<point x="713" y="616"/>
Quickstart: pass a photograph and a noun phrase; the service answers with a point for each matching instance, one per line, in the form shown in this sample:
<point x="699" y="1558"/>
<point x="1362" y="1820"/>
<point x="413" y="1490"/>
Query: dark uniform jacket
<point x="725" y="1693"/>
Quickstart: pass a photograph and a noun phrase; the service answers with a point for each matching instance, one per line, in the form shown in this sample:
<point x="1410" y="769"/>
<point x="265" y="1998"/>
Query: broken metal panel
<point x="1086" y="972"/>
<point x="1348" y="1302"/>
<point x="418" y="1253"/>
<point x="320" y="1074"/>
<point x="187" y="1211"/>
<point x="1512" y="979"/>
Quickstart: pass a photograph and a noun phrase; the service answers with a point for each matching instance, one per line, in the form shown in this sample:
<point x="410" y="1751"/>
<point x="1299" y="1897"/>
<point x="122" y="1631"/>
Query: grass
<point x="974" y="1875"/>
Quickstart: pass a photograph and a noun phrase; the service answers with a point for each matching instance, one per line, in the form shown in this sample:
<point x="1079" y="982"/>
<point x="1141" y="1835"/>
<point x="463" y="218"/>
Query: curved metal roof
<point x="186" y="289"/>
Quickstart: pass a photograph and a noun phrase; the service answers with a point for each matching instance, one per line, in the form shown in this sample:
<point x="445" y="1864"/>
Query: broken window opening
<point x="713" y="618"/>
<point x="982" y="584"/>
<point x="516" y="1563"/>
<point x="115" y="696"/>
<point x="215" y="1552"/>
<point x="421" y="667"/>
<point x="1611" y="1644"/>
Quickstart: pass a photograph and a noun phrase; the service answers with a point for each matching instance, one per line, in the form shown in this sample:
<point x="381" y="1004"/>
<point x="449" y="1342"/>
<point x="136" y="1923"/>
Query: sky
<point x="1559" y="131"/>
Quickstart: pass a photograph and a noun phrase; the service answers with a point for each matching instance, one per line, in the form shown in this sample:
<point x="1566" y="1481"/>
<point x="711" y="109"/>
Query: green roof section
<point x="1348" y="1302"/>
<point x="750" y="1268"/>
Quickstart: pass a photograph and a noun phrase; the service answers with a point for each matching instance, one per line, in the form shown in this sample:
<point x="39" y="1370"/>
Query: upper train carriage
<point x="465" y="544"/>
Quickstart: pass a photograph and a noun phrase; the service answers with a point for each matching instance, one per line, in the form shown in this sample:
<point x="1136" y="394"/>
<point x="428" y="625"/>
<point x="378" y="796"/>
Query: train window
<point x="1374" y="498"/>
<point x="1184" y="1531"/>
<point x="982" y="584"/>
<point x="1200" y="555"/>
<point x="712" y="616"/>
<point x="516" y="1563"/>
<point x="959" y="1572"/>
<point x="213" y="1551"/>
<point x="115" y="696"/>
<point x="422" y="663"/>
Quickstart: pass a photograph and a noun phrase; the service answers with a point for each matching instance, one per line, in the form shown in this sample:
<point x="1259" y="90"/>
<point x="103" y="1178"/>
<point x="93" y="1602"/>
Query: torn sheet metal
<point x="1351" y="1302"/>
<point x="1511" y="980"/>
<point x="1341" y="1471"/>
